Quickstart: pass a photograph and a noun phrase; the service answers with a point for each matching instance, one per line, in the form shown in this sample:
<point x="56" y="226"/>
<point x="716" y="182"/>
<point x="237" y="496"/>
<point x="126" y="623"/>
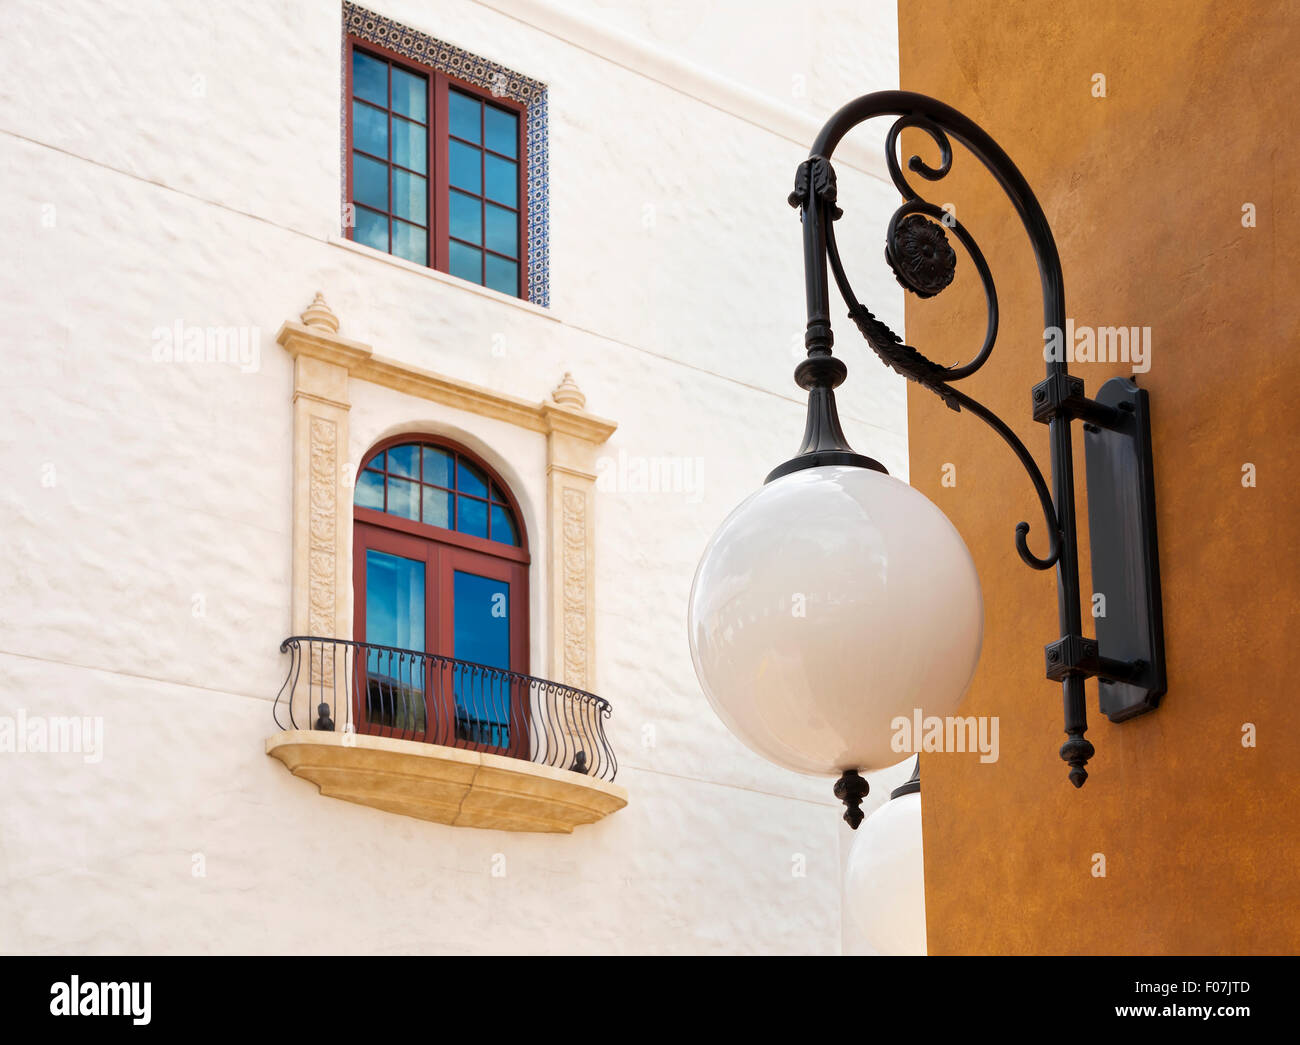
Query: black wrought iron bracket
<point x="1117" y="433"/>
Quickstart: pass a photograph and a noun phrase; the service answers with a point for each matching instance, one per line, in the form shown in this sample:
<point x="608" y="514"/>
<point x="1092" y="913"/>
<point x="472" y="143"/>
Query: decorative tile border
<point x="500" y="81"/>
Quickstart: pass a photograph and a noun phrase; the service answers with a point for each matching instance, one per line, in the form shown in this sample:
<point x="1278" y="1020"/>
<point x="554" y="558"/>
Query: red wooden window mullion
<point x="388" y="172"/>
<point x="431" y="216"/>
<point x="440" y="185"/>
<point x="482" y="188"/>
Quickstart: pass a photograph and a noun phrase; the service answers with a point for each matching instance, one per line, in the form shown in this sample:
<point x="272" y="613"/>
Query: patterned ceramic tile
<point x="447" y="58"/>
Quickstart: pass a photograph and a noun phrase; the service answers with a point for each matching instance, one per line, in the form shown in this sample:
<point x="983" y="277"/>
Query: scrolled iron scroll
<point x="924" y="263"/>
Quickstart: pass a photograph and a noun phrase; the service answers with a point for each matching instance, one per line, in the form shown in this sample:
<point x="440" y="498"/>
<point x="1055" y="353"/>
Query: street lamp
<point x="884" y="880"/>
<point x="837" y="598"/>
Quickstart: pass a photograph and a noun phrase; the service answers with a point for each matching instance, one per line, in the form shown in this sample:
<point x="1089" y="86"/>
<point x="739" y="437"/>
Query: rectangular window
<point x="435" y="170"/>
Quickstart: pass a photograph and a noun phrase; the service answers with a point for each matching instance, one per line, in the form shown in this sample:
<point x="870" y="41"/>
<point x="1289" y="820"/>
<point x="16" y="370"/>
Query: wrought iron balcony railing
<point x="339" y="684"/>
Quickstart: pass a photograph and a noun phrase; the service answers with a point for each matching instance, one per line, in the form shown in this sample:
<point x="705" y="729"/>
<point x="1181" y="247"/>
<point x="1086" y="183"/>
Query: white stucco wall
<point x="179" y="161"/>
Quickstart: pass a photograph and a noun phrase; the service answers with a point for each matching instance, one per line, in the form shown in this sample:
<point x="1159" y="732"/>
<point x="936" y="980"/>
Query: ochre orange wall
<point x="1144" y="190"/>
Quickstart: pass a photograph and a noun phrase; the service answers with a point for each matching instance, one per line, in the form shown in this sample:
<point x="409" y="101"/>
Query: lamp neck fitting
<point x="824" y="441"/>
<point x="911" y="786"/>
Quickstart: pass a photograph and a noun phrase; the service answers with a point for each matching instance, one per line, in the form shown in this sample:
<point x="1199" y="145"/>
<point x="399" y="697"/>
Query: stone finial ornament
<point x="567" y="393"/>
<point x="319" y="314"/>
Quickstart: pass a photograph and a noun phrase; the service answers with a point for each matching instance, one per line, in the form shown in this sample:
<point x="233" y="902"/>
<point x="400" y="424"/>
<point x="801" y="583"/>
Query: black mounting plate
<point x="1125" y="558"/>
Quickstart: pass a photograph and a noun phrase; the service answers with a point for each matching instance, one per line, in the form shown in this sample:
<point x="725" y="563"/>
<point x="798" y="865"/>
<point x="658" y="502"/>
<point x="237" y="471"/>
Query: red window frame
<point x="444" y="552"/>
<point x="438" y="250"/>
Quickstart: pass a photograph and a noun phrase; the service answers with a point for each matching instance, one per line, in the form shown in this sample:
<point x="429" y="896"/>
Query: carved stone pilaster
<point x="575" y="586"/>
<point x="323" y="546"/>
<point x="571" y="482"/>
<point x="322" y="492"/>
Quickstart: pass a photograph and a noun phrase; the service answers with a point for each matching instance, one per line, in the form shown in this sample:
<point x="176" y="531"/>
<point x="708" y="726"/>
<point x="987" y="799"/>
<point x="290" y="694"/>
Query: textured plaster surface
<point x="1144" y="189"/>
<point x="146" y="507"/>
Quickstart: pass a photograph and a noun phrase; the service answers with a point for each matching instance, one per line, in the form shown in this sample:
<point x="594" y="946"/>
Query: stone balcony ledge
<point x="448" y="785"/>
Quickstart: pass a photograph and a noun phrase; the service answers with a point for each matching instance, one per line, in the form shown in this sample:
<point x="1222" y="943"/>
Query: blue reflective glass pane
<point x="369" y="78"/>
<point x="466" y="217"/>
<point x="371" y="229"/>
<point x="404" y="460"/>
<point x="395" y="617"/>
<point x="503" y="526"/>
<point x="369" y="181"/>
<point x="370" y="491"/>
<point x="410" y="145"/>
<point x="481" y="633"/>
<point x="502" y="180"/>
<point x="404" y="499"/>
<point x="464" y="161"/>
<point x="438" y="507"/>
<point x="463" y="115"/>
<point x="471" y="479"/>
<point x="501" y="131"/>
<point x="394" y="600"/>
<point x="411" y="242"/>
<point x="502" y="230"/>
<point x="370" y="129"/>
<point x="471" y="517"/>
<point x="502" y="275"/>
<point x="410" y="95"/>
<point x="437" y="466"/>
<point x="465" y="262"/>
<point x="376" y="462"/>
<point x="410" y="197"/>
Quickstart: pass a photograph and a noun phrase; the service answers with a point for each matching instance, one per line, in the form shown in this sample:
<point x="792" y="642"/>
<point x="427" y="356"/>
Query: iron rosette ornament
<point x="921" y="257"/>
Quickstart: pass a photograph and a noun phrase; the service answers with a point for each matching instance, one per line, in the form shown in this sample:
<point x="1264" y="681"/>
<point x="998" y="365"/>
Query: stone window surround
<point x="325" y="364"/>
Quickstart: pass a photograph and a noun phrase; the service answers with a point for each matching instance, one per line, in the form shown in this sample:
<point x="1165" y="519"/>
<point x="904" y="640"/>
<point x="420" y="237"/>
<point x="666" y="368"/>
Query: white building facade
<point x="452" y="328"/>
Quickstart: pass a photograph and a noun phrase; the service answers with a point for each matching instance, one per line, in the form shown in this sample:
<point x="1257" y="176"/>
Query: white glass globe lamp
<point x="833" y="602"/>
<point x="884" y="880"/>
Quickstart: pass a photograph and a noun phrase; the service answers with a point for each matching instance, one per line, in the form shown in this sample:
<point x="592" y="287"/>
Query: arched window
<point x="440" y="578"/>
